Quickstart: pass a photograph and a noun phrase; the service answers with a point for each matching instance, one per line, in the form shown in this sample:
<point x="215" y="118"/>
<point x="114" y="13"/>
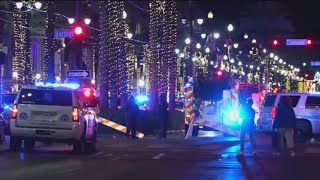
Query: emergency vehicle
<point x="227" y="111"/>
<point x="54" y="113"/>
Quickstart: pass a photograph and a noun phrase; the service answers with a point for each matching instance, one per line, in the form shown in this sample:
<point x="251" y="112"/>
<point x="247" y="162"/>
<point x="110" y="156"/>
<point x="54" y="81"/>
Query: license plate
<point x="43" y="113"/>
<point x="43" y="132"/>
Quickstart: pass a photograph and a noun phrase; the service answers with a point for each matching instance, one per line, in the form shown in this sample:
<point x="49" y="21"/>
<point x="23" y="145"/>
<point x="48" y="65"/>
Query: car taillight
<point x="14" y="111"/>
<point x="273" y="112"/>
<point x="75" y="115"/>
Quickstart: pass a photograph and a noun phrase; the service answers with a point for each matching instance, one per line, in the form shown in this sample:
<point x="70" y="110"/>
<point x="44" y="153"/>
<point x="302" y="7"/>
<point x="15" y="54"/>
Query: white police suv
<point x="54" y="113"/>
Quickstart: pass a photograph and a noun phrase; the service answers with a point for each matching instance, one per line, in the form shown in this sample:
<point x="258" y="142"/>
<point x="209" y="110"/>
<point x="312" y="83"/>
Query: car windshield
<point x="8" y="98"/>
<point x="45" y="97"/>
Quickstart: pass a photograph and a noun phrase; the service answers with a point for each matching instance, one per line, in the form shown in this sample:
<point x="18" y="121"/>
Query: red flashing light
<point x="219" y="73"/>
<point x="87" y="93"/>
<point x="78" y="30"/>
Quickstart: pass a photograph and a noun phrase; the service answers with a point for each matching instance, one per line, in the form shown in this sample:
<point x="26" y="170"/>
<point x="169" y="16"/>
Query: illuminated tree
<point x="49" y="43"/>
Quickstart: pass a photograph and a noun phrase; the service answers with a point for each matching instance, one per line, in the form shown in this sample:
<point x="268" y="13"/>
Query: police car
<point x="306" y="107"/>
<point x="54" y="113"/>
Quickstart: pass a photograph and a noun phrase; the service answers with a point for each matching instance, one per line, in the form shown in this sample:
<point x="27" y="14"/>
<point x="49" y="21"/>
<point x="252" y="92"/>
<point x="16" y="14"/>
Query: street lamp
<point x="182" y="55"/>
<point x="124" y="14"/>
<point x="236" y="45"/>
<point x="210" y="15"/>
<point x="232" y="60"/>
<point x="19" y="5"/>
<point x="87" y="21"/>
<point x="187" y="41"/>
<point x="71" y="20"/>
<point x="225" y="57"/>
<point x="200" y="21"/>
<point x="251" y="66"/>
<point x="230" y="27"/>
<point x="203" y="35"/>
<point x="37" y="5"/>
<point x="207" y="50"/>
<point x="271" y="55"/>
<point x="93" y="81"/>
<point x="245" y="36"/>
<point x="198" y="45"/>
<point x="216" y="35"/>
<point x="276" y="58"/>
<point x="240" y="63"/>
<point x="177" y="51"/>
<point x="264" y="51"/>
<point x="280" y="61"/>
<point x="129" y="35"/>
<point x="254" y="41"/>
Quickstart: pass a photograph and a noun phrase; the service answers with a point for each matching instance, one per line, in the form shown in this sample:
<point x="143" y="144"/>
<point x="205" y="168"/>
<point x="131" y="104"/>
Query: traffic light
<point x="219" y="73"/>
<point x="275" y="42"/>
<point x="309" y="42"/>
<point x="78" y="31"/>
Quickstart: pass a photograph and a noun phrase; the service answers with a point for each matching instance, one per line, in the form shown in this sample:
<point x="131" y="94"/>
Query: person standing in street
<point x="163" y="115"/>
<point x="284" y="124"/>
<point x="247" y="126"/>
<point x="132" y="110"/>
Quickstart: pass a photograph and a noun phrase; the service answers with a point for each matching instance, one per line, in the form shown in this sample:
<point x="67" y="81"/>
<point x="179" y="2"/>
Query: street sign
<point x="297" y="42"/>
<point x="315" y="63"/>
<point x="78" y="74"/>
<point x="63" y="33"/>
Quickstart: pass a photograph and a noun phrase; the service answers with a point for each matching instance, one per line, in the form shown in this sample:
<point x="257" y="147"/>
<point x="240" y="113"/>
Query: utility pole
<point x="78" y="41"/>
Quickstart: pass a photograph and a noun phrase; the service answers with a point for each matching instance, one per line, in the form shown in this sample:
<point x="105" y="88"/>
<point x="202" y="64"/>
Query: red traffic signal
<point x="219" y="73"/>
<point x="275" y="42"/>
<point x="309" y="42"/>
<point x="78" y="30"/>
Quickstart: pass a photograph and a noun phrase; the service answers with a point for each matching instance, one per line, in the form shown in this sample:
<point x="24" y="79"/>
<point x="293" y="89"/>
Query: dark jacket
<point x="132" y="111"/>
<point x="163" y="110"/>
<point x="248" y="114"/>
<point x="285" y="117"/>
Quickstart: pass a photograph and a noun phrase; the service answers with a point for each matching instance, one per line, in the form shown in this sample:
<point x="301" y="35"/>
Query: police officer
<point x="132" y="110"/>
<point x="247" y="125"/>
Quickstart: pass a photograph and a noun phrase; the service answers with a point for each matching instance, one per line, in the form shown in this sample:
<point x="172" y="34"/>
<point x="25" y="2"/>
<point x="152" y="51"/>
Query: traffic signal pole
<point x="78" y="41"/>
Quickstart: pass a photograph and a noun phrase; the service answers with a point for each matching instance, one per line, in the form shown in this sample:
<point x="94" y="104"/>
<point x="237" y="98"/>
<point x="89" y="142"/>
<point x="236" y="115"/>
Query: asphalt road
<point x="152" y="159"/>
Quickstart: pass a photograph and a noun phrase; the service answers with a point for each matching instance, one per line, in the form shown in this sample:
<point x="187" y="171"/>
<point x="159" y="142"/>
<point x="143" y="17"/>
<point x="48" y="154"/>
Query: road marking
<point x="158" y="156"/>
<point x="106" y="155"/>
<point x="68" y="170"/>
<point x="96" y="154"/>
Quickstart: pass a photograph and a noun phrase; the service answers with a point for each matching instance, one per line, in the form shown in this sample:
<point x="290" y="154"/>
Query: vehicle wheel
<point x="15" y="143"/>
<point x="303" y="131"/>
<point x="2" y="135"/>
<point x="29" y="144"/>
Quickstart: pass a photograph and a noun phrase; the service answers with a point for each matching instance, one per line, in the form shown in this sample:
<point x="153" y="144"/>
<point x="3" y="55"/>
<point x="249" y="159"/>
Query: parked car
<point x="306" y="107"/>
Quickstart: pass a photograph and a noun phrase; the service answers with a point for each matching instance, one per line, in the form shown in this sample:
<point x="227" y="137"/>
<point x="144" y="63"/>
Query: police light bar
<point x="53" y="85"/>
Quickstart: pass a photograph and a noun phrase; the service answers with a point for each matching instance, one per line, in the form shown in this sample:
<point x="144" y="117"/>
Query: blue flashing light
<point x="71" y="85"/>
<point x="142" y="99"/>
<point x="7" y="106"/>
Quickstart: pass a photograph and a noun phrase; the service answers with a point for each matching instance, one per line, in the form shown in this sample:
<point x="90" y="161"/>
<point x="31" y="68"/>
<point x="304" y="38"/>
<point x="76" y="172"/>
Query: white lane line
<point x="158" y="156"/>
<point x="68" y="170"/>
<point x="106" y="155"/>
<point x="96" y="154"/>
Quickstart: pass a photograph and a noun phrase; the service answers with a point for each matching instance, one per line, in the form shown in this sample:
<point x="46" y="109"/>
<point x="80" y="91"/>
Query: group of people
<point x="132" y="115"/>
<point x="283" y="126"/>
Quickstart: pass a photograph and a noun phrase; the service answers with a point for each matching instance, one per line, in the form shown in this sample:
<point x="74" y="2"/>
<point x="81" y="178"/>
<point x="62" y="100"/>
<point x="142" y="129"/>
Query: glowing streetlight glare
<point x="232" y="60"/>
<point x="124" y="14"/>
<point x="200" y="21"/>
<point x="71" y="20"/>
<point x="264" y="51"/>
<point x="245" y="36"/>
<point x="225" y="57"/>
<point x="187" y="41"/>
<point x="254" y="41"/>
<point x="15" y="74"/>
<point x="230" y="27"/>
<point x="182" y="55"/>
<point x="203" y="35"/>
<point x="271" y="55"/>
<point x="129" y="35"/>
<point x="183" y="21"/>
<point x="251" y="66"/>
<point x="258" y="68"/>
<point x="276" y="58"/>
<point x="216" y="35"/>
<point x="93" y="81"/>
<point x="207" y="50"/>
<point x="198" y="45"/>
<point x="240" y="63"/>
<point x="38" y="76"/>
<point x="87" y="21"/>
<point x="177" y="51"/>
<point x="236" y="45"/>
<point x="280" y="61"/>
<point x="58" y="78"/>
<point x="37" y="5"/>
<point x="19" y="5"/>
<point x="210" y="15"/>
